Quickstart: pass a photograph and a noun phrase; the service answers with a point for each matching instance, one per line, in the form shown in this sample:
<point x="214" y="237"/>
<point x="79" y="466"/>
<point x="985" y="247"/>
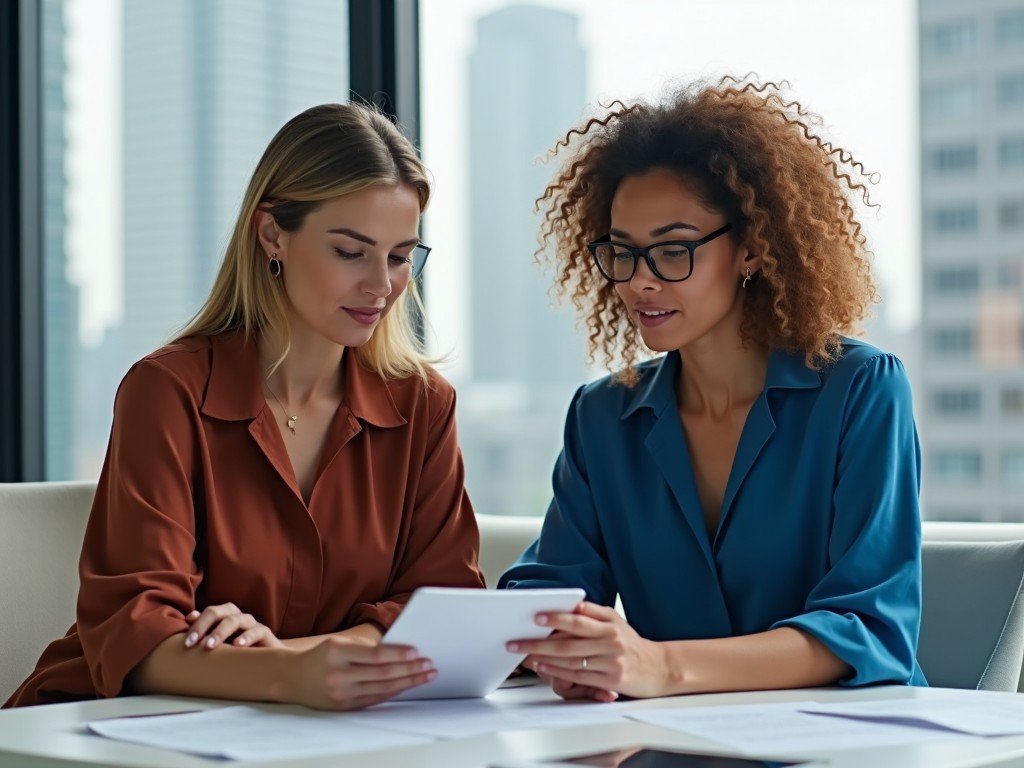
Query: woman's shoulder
<point x="181" y="365"/>
<point x="616" y="394"/>
<point x="430" y="394"/>
<point x="859" y="357"/>
<point x="863" y="368"/>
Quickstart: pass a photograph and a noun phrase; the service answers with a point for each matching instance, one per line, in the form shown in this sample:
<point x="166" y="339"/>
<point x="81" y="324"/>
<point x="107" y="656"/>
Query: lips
<point x="365" y="315"/>
<point x="651" y="317"/>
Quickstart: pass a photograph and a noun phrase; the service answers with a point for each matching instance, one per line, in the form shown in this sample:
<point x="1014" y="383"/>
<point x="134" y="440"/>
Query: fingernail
<point x="211" y="642"/>
<point x="542" y="620"/>
<point x="427" y="665"/>
<point x="191" y="640"/>
<point x="431" y="675"/>
<point x="513" y="647"/>
<point x="411" y="654"/>
<point x="193" y="614"/>
<point x="542" y="667"/>
<point x="240" y="641"/>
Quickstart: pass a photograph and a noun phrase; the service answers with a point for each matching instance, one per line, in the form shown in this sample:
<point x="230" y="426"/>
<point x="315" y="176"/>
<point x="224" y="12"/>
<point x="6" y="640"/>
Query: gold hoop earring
<point x="746" y="280"/>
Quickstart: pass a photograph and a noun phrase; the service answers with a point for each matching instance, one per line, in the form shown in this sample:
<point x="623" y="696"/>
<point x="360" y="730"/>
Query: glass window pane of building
<point x="1011" y="153"/>
<point x="950" y="100"/>
<point x="154" y="116"/>
<point x="1010" y="27"/>
<point x="958" y="37"/>
<point x="955" y="158"/>
<point x="1010" y="91"/>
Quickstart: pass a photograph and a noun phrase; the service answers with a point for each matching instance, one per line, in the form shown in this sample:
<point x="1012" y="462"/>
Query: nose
<point x="378" y="280"/>
<point x="643" y="278"/>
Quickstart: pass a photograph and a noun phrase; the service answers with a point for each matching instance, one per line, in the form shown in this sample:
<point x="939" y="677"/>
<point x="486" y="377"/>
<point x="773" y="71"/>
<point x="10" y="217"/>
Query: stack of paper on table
<point x="783" y="728"/>
<point x="978" y="713"/>
<point x="252" y="733"/>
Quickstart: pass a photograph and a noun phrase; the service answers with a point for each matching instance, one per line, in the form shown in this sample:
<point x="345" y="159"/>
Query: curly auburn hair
<point x="749" y="153"/>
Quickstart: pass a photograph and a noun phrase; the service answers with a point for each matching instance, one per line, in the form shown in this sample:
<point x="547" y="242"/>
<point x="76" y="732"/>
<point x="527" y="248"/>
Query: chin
<point x="662" y="342"/>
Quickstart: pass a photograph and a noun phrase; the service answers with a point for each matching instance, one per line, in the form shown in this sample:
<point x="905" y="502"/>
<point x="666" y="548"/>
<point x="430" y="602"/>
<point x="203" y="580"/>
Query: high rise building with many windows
<point x="971" y="388"/>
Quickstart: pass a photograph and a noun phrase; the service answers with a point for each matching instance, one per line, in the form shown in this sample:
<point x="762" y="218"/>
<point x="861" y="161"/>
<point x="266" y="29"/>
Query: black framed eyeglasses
<point x="671" y="261"/>
<point x="419" y="255"/>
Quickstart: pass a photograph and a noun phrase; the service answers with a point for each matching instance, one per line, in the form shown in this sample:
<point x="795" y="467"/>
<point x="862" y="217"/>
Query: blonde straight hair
<point x="325" y="152"/>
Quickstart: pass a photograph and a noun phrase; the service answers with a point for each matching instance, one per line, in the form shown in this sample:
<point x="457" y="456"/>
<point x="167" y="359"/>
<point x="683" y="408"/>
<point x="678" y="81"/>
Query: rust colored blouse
<point x="197" y="505"/>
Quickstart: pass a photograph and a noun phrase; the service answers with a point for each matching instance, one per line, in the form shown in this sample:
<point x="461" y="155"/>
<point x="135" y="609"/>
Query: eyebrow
<point x="368" y="240"/>
<point x="659" y="231"/>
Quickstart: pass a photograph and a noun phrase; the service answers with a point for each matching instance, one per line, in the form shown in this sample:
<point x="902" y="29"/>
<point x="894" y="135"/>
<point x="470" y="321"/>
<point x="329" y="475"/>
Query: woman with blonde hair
<point x="752" y="494"/>
<point x="285" y="473"/>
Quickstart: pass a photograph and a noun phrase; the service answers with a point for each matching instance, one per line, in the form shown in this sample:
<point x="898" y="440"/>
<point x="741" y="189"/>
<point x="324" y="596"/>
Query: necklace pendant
<point x="291" y="423"/>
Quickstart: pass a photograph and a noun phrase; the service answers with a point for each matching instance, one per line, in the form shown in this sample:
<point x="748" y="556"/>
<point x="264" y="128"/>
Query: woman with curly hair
<point x="752" y="494"/>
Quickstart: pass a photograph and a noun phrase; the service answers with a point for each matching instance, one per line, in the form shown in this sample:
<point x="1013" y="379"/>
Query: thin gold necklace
<point x="290" y="420"/>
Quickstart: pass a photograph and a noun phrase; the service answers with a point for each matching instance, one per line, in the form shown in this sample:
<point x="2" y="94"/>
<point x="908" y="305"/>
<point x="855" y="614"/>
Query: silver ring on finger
<point x="584" y="663"/>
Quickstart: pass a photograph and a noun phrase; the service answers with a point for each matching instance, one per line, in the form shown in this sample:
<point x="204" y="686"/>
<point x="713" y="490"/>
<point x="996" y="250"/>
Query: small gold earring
<point x="746" y="280"/>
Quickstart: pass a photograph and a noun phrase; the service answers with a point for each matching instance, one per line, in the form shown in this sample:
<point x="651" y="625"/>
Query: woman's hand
<point x="218" y="623"/>
<point x="595" y="654"/>
<point x="341" y="675"/>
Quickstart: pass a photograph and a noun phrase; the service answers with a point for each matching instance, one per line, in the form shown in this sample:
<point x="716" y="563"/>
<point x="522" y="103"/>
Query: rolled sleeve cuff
<point x="846" y="636"/>
<point x="122" y="651"/>
<point x="381" y="615"/>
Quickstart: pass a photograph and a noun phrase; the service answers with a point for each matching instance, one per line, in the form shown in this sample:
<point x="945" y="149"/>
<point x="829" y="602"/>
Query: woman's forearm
<point x="226" y="672"/>
<point x="778" y="658"/>
<point x="365" y="634"/>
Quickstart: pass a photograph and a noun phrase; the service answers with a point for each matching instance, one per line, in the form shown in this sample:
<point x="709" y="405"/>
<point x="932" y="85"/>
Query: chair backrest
<point x="972" y="618"/>
<point x="502" y="541"/>
<point x="972" y="624"/>
<point x="42" y="526"/>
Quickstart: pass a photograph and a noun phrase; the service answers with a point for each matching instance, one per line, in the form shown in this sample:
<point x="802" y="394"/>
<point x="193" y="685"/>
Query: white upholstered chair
<point x="972" y="622"/>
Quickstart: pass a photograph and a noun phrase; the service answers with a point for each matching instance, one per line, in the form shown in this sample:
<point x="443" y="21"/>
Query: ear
<point x="748" y="260"/>
<point x="272" y="238"/>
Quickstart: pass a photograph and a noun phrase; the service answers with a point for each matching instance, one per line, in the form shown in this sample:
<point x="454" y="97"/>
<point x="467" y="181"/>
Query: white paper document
<point x="980" y="713"/>
<point x="464" y="718"/>
<point x="782" y="728"/>
<point x="248" y="733"/>
<point x="437" y="622"/>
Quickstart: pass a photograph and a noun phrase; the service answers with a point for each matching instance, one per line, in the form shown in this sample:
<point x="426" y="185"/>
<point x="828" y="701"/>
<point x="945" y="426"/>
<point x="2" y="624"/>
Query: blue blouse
<point x="819" y="528"/>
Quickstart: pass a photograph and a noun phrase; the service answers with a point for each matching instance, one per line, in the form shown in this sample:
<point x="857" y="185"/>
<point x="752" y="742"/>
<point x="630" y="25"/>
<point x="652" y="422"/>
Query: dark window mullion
<point x="21" y="256"/>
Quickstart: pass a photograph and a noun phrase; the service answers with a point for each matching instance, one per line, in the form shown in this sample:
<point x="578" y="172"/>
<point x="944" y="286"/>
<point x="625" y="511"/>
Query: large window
<point x="155" y="114"/>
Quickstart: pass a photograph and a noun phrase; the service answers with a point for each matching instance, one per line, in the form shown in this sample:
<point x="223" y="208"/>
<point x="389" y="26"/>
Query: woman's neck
<point x="719" y="374"/>
<point x="310" y="371"/>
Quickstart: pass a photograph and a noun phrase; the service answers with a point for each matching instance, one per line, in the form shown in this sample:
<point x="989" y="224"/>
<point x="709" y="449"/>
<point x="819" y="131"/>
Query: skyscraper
<point x="527" y="87"/>
<point x="60" y="321"/>
<point x="207" y="83"/>
<point x="972" y="166"/>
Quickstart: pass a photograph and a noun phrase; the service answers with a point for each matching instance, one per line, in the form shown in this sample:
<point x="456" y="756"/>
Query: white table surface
<point x="55" y="735"/>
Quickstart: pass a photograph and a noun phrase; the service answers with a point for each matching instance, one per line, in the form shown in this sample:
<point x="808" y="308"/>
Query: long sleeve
<point x="570" y="551"/>
<point x="138" y="579"/>
<point x="867" y="607"/>
<point x="442" y="547"/>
